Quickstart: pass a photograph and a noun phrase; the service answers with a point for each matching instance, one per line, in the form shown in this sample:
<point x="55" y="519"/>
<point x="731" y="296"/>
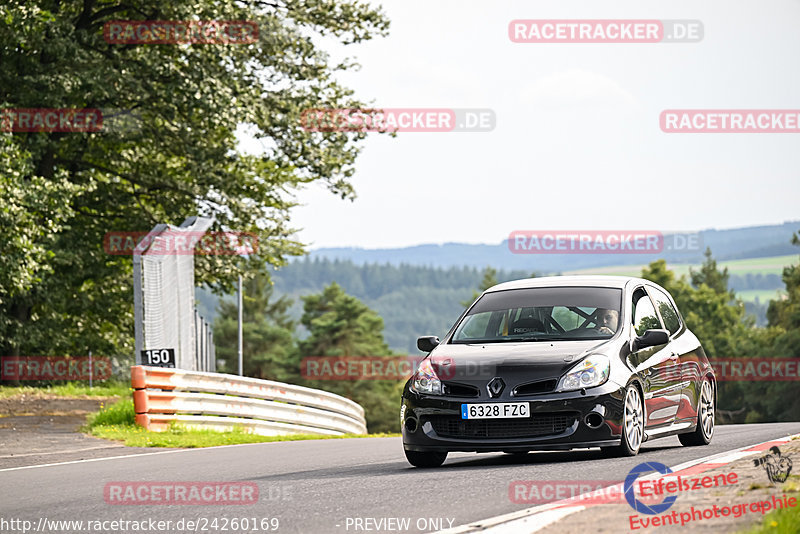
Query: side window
<point x="668" y="312"/>
<point x="644" y="314"/>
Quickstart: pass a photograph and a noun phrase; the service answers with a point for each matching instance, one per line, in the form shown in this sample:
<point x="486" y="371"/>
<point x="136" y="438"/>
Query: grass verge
<point x="116" y="422"/>
<point x="782" y="520"/>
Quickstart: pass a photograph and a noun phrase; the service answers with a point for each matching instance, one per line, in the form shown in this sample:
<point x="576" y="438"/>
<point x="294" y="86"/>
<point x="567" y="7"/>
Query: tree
<point x="785" y="313"/>
<point x="175" y="153"/>
<point x="489" y="279"/>
<point x="710" y="275"/>
<point x="341" y="325"/>
<point x="267" y="333"/>
<point x="717" y="320"/>
<point x="775" y="400"/>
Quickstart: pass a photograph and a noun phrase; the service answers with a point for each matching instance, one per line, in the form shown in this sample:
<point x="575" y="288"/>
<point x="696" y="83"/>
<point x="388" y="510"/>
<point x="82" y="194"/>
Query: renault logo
<point x="495" y="387"/>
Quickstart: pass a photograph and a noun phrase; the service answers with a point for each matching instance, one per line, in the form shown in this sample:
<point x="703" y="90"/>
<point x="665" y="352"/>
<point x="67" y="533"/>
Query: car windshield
<point x="542" y="314"/>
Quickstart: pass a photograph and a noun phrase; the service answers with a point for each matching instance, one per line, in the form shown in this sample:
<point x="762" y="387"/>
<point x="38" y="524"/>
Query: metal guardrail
<point x="223" y="402"/>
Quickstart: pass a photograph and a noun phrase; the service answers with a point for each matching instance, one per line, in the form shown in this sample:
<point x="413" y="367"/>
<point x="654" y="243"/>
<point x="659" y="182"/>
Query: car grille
<point x="460" y="390"/>
<point x="535" y="388"/>
<point x="534" y="426"/>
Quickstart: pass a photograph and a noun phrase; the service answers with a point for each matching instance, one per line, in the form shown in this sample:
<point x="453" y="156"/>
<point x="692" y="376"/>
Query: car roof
<point x="569" y="281"/>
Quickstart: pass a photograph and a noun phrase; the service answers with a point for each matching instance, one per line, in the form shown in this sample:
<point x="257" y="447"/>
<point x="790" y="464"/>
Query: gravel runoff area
<point x="41" y="429"/>
<point x="752" y="485"/>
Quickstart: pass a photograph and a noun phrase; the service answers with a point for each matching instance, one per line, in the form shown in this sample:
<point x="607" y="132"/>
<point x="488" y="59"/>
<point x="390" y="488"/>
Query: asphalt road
<point x="326" y="486"/>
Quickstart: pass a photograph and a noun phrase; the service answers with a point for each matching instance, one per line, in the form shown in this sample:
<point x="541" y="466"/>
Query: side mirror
<point x="651" y="338"/>
<point x="427" y="343"/>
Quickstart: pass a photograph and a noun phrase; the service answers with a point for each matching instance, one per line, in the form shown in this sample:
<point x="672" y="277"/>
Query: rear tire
<point x="425" y="458"/>
<point x="705" y="419"/>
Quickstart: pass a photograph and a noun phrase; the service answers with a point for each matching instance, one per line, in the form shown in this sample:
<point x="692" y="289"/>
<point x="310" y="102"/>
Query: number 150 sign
<point x="159" y="357"/>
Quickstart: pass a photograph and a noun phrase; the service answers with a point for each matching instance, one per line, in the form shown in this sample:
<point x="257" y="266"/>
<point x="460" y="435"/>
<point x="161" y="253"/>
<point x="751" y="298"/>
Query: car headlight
<point x="591" y="371"/>
<point x="425" y="379"/>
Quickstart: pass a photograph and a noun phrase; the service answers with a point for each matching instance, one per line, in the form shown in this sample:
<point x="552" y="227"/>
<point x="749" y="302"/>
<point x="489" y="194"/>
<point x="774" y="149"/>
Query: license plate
<point x="495" y="410"/>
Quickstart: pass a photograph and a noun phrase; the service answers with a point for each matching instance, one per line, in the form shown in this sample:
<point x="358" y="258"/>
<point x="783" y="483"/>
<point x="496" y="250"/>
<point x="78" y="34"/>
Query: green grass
<point x="782" y="521"/>
<point x="116" y="422"/>
<point x="70" y="389"/>
<point x="117" y="414"/>
<point x="764" y="295"/>
<point x="769" y="265"/>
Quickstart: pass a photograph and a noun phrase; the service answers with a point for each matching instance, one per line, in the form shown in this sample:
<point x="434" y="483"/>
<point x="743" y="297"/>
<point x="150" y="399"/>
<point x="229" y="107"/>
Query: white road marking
<point x="538" y="517"/>
<point x="128" y="456"/>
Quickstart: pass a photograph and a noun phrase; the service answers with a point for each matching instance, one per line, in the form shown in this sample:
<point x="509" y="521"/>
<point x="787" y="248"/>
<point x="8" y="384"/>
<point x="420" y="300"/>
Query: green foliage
<point x="714" y="318"/>
<point x="785" y="313"/>
<point x="717" y="318"/>
<point x="175" y="155"/>
<point x="267" y="333"/>
<point x="412" y="300"/>
<point x="119" y="413"/>
<point x="489" y="279"/>
<point x="341" y="325"/>
<point x="781" y="521"/>
<point x="710" y="276"/>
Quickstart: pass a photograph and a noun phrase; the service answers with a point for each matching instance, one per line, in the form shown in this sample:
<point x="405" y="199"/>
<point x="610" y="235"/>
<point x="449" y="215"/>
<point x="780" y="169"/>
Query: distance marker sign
<point x="159" y="357"/>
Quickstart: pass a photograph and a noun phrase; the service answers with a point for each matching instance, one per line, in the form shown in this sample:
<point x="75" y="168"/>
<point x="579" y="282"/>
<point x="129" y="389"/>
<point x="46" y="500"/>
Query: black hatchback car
<point x="559" y="363"/>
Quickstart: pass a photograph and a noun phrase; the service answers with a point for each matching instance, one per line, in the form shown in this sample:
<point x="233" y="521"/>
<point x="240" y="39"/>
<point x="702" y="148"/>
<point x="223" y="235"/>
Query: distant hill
<point x="416" y="300"/>
<point x="419" y="290"/>
<point x="412" y="300"/>
<point x="738" y="243"/>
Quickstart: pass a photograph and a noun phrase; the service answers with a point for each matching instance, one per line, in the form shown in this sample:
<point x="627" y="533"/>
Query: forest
<point x="345" y="310"/>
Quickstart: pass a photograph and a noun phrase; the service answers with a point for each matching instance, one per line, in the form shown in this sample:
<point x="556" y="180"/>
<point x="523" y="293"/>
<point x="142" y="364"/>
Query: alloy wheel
<point x="707" y="409"/>
<point x="634" y="419"/>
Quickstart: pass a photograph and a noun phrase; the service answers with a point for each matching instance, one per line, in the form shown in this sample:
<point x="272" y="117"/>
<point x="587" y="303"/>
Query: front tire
<point x="632" y="425"/>
<point x="425" y="458"/>
<point x="705" y="418"/>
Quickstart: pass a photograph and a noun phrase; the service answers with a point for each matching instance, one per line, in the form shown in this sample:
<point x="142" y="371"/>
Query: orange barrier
<point x="220" y="401"/>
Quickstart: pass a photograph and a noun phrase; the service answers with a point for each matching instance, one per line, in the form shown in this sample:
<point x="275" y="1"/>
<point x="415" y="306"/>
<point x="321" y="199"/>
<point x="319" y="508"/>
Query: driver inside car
<point x="606" y="321"/>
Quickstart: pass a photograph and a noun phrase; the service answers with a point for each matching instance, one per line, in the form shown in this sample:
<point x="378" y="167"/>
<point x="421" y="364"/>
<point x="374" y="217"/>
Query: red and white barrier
<point x="223" y="402"/>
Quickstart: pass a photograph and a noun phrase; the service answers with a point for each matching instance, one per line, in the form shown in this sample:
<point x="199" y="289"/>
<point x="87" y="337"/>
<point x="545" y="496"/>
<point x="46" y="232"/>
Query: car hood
<point x="518" y="363"/>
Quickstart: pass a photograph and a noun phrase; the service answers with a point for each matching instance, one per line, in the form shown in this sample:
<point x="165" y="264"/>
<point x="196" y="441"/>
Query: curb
<point x="539" y="517"/>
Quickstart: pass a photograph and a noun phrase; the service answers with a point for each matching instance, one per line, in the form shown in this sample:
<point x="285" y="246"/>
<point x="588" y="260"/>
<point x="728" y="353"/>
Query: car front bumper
<point x="557" y="421"/>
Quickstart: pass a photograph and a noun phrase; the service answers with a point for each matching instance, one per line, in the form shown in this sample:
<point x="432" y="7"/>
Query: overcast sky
<point x="577" y="143"/>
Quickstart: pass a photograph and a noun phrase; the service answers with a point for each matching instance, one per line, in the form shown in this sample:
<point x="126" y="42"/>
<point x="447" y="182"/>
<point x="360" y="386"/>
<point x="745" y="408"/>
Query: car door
<point x="684" y="349"/>
<point x="657" y="365"/>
